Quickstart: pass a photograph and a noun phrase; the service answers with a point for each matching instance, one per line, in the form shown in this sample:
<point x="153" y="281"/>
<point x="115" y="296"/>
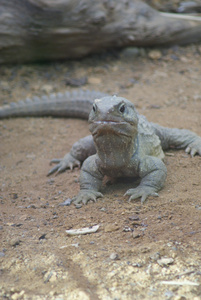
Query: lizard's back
<point x="149" y="142"/>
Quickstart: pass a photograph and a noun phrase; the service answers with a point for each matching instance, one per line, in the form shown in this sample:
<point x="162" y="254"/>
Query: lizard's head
<point x="113" y="116"/>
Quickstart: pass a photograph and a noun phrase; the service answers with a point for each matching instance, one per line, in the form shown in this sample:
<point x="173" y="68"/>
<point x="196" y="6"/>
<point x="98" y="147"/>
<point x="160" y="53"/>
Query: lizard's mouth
<point x="108" y="122"/>
<point x="105" y="127"/>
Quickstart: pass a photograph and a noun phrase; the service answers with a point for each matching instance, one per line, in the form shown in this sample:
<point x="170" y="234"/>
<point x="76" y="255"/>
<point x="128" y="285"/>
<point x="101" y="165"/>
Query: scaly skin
<point x="122" y="144"/>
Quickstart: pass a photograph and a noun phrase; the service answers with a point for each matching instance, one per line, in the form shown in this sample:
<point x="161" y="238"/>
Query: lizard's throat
<point x="114" y="141"/>
<point x="114" y="151"/>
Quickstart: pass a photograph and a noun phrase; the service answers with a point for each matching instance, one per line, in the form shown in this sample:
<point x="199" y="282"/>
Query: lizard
<point x="122" y="143"/>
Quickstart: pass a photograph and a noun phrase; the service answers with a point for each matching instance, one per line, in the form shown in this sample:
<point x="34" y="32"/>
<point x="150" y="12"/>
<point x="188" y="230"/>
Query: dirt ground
<point x="139" y="252"/>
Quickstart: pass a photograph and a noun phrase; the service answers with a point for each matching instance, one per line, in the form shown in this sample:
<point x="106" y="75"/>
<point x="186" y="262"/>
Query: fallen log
<point x="41" y="30"/>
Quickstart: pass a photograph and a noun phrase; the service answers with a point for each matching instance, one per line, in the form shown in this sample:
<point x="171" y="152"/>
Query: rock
<point x="79" y="205"/>
<point x="169" y="294"/>
<point x="42" y="236"/>
<point x="181" y="297"/>
<point x="75" y="82"/>
<point x="67" y="202"/>
<point x="155" y="256"/>
<point x="50" y="276"/>
<point x="137" y="234"/>
<point x="169" y="154"/>
<point x="155" y="54"/>
<point x="184" y="59"/>
<point x="111" y="227"/>
<point x="197" y="97"/>
<point x="134" y="218"/>
<point x="31" y="156"/>
<point x="47" y="88"/>
<point x="130" y="52"/>
<point x="78" y="294"/>
<point x="114" y="256"/>
<point x="137" y="265"/>
<point x="4" y="85"/>
<point x="94" y="80"/>
<point x="17" y="296"/>
<point x="127" y="229"/>
<point x="15" y="242"/>
<point x="31" y="206"/>
<point x="103" y="209"/>
<point x="165" y="261"/>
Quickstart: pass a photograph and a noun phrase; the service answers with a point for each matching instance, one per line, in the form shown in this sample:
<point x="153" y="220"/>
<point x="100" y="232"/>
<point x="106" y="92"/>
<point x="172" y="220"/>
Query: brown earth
<point x="139" y="252"/>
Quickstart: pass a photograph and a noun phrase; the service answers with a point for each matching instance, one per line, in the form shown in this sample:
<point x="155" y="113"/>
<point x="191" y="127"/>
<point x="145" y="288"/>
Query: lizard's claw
<point x="85" y="196"/>
<point x="141" y="191"/>
<point x="68" y="162"/>
<point x="194" y="147"/>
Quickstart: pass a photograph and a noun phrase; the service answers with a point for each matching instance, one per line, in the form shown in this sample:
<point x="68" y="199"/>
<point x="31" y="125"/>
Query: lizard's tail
<point x="76" y="104"/>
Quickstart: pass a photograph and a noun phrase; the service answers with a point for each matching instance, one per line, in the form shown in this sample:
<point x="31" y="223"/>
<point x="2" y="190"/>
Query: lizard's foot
<point x="141" y="191"/>
<point x="68" y="162"/>
<point x="86" y="195"/>
<point x="194" y="147"/>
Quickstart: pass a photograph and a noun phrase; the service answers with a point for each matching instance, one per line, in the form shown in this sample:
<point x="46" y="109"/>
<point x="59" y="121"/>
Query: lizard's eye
<point x="122" y="108"/>
<point x="94" y="107"/>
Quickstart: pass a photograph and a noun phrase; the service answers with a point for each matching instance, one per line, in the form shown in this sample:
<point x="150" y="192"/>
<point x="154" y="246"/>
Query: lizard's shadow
<point x="120" y="185"/>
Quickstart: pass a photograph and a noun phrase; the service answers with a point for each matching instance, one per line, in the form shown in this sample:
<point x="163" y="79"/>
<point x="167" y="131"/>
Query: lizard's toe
<point x="142" y="192"/>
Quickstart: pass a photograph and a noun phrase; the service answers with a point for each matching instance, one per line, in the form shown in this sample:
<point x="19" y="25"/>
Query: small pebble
<point x="42" y="237"/>
<point x="169" y="154"/>
<point x="136" y="234"/>
<point x="31" y="206"/>
<point x="15" y="242"/>
<point x="47" y="88"/>
<point x="137" y="265"/>
<point x="169" y="294"/>
<point x="2" y="254"/>
<point x="127" y="229"/>
<point x="78" y="206"/>
<point x="51" y="181"/>
<point x="94" y="80"/>
<point x="103" y="209"/>
<point x="15" y="195"/>
<point x="134" y="218"/>
<point x="114" y="256"/>
<point x="130" y="52"/>
<point x="111" y="227"/>
<point x="5" y="85"/>
<point x="17" y="296"/>
<point x="67" y="202"/>
<point x="74" y="82"/>
<point x="155" y="54"/>
<point x="155" y="256"/>
<point x="165" y="261"/>
<point x="75" y="245"/>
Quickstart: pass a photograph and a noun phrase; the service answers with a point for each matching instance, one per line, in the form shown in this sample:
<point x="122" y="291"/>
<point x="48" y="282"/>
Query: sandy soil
<point x="139" y="252"/>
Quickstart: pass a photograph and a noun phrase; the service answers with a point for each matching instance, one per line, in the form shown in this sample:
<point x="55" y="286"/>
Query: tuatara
<point x="123" y="143"/>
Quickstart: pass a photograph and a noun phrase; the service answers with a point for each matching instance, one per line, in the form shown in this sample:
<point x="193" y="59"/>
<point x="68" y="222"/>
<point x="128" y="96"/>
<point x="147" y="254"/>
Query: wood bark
<point x="41" y="30"/>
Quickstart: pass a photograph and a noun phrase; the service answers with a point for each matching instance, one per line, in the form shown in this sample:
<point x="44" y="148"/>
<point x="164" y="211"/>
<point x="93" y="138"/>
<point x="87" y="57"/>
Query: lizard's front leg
<point x="153" y="173"/>
<point x="90" y="182"/>
<point x="78" y="153"/>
